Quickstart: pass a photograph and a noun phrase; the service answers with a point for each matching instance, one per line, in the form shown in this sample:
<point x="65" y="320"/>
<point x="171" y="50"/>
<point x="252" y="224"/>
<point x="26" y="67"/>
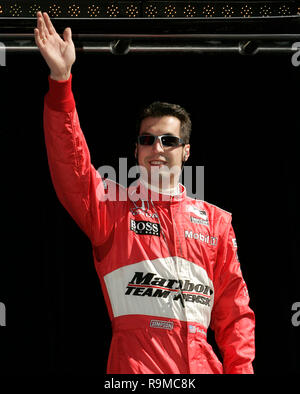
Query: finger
<point x="67" y="34"/>
<point x="42" y="26"/>
<point x="39" y="32"/>
<point x="38" y="40"/>
<point x="41" y="36"/>
<point x="49" y="24"/>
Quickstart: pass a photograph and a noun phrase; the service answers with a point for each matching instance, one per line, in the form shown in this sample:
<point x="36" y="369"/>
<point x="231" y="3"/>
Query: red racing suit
<point x="168" y="269"/>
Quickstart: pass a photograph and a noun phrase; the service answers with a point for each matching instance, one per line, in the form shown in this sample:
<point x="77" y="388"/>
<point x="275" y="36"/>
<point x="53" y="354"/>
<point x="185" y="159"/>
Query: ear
<point x="135" y="151"/>
<point x="186" y="152"/>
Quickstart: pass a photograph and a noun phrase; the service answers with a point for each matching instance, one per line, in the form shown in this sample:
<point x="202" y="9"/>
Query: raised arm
<point x="77" y="184"/>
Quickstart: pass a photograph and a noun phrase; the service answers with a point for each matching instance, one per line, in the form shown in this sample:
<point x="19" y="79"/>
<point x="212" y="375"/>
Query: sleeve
<point x="77" y="184"/>
<point x="232" y="319"/>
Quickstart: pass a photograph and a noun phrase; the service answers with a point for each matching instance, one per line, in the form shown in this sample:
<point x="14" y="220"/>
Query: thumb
<point x="67" y="34"/>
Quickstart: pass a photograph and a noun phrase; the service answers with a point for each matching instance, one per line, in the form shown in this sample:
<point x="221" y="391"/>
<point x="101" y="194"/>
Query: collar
<point x="145" y="192"/>
<point x="170" y="192"/>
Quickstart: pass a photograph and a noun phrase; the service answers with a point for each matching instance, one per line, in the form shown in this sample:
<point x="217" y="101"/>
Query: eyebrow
<point x="147" y="133"/>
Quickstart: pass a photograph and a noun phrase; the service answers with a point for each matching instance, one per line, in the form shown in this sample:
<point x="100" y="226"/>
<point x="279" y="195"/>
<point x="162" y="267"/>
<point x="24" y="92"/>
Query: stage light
<point x="141" y="8"/>
<point x="158" y="25"/>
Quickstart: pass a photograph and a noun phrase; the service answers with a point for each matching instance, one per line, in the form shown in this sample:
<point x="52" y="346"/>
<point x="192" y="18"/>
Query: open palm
<point x="58" y="53"/>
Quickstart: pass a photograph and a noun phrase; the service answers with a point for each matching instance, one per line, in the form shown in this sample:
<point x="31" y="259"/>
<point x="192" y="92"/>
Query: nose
<point x="157" y="146"/>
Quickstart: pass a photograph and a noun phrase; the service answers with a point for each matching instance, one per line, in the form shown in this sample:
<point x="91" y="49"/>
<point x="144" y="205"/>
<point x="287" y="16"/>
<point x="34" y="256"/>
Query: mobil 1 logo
<point x="144" y="227"/>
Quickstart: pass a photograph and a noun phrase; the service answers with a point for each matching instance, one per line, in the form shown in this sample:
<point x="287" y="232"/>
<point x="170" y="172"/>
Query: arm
<point x="76" y="182"/>
<point x="232" y="319"/>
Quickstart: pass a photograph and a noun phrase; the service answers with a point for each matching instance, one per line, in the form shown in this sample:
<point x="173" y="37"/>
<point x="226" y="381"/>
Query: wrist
<point x="60" y="77"/>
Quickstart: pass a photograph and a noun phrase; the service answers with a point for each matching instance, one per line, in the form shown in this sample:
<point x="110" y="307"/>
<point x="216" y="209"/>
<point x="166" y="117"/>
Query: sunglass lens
<point x="169" y="140"/>
<point x="146" y="139"/>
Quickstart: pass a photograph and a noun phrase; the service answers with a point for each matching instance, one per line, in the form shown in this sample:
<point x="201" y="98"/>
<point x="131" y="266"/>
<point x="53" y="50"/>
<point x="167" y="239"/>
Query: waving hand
<point x="58" y="53"/>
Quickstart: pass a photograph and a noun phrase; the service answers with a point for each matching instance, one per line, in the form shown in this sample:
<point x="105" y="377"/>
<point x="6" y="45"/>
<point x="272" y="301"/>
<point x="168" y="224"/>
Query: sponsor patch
<point x="142" y="208"/>
<point x="166" y="325"/>
<point x="145" y="228"/>
<point x="150" y="288"/>
<point x="149" y="285"/>
<point x="193" y="329"/>
<point x="200" y="215"/>
<point x="201" y="237"/>
<point x="198" y="221"/>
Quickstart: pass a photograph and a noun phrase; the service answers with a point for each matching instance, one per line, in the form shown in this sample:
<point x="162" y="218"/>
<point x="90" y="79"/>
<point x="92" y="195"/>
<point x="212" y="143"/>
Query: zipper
<point x="176" y="236"/>
<point x="175" y="258"/>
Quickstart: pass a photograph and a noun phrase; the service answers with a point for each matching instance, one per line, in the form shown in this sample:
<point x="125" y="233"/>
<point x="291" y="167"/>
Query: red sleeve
<point x="60" y="96"/>
<point x="232" y="319"/>
<point x="77" y="183"/>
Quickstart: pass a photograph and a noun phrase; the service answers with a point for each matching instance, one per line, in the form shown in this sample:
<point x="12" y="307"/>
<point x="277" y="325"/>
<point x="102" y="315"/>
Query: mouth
<point x="157" y="163"/>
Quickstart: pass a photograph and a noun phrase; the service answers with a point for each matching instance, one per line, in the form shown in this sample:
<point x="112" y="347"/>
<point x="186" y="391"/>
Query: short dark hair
<point x="159" y="109"/>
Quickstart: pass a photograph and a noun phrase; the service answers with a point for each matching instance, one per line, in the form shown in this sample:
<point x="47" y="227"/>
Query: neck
<point x="172" y="190"/>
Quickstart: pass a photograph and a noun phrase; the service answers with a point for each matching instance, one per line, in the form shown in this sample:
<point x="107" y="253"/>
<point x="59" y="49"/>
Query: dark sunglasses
<point x="165" y="140"/>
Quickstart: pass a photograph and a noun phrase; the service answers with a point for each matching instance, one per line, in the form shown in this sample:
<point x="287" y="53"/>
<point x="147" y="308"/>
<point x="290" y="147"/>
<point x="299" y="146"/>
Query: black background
<point x="245" y="114"/>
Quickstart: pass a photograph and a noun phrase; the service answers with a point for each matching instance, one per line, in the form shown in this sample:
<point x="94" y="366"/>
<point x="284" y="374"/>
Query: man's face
<point x="155" y="158"/>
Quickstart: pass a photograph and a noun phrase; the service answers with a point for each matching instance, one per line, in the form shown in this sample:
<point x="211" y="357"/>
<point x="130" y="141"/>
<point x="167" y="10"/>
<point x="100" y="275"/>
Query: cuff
<point x="60" y="96"/>
<point x="246" y="370"/>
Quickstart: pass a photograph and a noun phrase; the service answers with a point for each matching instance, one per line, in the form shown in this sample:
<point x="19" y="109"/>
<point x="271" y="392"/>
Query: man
<point x="167" y="264"/>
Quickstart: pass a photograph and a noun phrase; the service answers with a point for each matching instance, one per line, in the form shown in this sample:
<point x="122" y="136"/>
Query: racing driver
<point x="167" y="263"/>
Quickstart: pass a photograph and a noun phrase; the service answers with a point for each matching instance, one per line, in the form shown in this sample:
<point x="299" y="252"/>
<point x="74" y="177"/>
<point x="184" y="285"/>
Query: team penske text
<point x="147" y="284"/>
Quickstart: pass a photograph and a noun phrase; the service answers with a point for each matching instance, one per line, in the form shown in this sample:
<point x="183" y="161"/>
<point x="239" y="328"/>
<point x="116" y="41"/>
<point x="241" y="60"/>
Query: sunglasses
<point x="165" y="140"/>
